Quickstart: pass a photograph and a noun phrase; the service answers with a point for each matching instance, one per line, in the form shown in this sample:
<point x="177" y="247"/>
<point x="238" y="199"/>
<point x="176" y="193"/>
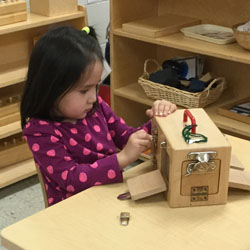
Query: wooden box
<point x="12" y="12"/>
<point x="53" y="7"/>
<point x="196" y="174"/>
<point x="12" y="7"/>
<point x="158" y="26"/>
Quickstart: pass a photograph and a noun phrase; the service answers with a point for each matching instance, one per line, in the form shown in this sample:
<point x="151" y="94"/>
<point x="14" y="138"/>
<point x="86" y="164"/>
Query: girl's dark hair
<point x="56" y="63"/>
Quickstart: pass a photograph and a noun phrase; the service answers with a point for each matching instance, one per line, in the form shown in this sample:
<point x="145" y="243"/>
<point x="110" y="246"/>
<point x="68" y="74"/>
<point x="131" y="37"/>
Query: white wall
<point x="98" y="16"/>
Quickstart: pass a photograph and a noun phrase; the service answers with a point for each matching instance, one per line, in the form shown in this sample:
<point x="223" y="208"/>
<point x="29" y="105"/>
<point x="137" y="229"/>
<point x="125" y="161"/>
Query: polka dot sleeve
<point x="119" y="130"/>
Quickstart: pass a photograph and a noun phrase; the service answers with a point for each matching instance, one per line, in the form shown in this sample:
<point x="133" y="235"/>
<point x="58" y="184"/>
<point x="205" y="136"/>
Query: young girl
<point x="72" y="133"/>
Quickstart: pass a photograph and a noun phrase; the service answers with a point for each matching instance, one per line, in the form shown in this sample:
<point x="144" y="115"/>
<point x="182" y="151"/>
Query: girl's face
<point x="79" y="100"/>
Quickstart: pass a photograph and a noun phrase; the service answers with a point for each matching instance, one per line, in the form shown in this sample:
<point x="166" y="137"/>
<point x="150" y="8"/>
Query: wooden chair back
<point x="40" y="177"/>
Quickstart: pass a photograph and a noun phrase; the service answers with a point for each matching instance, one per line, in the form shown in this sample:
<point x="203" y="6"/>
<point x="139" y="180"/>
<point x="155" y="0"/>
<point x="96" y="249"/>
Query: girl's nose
<point x="92" y="97"/>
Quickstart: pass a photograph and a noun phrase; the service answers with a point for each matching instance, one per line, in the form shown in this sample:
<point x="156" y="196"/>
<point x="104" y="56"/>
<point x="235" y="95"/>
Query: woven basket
<point x="179" y="97"/>
<point x="242" y="37"/>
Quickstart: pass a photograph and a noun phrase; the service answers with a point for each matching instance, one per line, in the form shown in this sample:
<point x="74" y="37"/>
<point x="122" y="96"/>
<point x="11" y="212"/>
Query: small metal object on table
<point x="124" y="218"/>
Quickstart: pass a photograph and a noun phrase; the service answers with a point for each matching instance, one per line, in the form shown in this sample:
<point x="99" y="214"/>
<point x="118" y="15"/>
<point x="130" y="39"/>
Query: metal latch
<point x="202" y="156"/>
<point x="154" y="144"/>
<point x="199" y="193"/>
<point x="163" y="144"/>
<point x="202" y="164"/>
<point x="124" y="218"/>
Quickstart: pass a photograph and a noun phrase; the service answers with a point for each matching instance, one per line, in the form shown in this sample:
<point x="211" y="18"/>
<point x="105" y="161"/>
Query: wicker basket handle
<point x="155" y="62"/>
<point x="216" y="80"/>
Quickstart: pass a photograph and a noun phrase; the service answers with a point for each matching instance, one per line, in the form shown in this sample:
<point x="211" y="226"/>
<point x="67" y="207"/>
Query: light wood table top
<point x="90" y="220"/>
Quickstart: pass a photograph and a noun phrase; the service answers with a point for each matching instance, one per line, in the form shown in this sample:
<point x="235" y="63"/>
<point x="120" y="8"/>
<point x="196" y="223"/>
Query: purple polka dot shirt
<point x="74" y="157"/>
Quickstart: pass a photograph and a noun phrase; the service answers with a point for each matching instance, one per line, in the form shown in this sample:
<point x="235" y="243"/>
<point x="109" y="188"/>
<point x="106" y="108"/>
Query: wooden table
<point x="90" y="220"/>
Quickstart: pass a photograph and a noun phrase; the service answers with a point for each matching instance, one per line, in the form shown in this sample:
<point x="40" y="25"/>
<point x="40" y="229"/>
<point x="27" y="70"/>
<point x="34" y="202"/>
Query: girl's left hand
<point x="161" y="108"/>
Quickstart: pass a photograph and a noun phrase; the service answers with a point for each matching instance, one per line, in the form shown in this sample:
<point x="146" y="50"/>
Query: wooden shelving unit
<point x="129" y="52"/>
<point x="16" y="43"/>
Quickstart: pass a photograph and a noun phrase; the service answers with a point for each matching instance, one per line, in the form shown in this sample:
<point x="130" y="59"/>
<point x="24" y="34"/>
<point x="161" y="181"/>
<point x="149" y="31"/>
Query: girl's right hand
<point x="138" y="142"/>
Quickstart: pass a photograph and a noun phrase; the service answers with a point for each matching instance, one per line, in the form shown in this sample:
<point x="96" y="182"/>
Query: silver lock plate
<point x="203" y="162"/>
<point x="202" y="156"/>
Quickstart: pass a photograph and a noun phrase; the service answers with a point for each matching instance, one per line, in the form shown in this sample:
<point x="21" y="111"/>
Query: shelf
<point x="12" y="77"/>
<point x="135" y="92"/>
<point x="232" y="52"/>
<point x="17" y="172"/>
<point x="9" y="119"/>
<point x="34" y="20"/>
<point x="228" y="125"/>
<point x="10" y="129"/>
<point x="9" y="113"/>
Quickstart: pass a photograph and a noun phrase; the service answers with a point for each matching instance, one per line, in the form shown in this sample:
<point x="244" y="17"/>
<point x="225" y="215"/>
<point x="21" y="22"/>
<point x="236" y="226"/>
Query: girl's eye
<point x="83" y="91"/>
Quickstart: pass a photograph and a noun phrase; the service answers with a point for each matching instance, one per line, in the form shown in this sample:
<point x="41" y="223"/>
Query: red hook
<point x="186" y="114"/>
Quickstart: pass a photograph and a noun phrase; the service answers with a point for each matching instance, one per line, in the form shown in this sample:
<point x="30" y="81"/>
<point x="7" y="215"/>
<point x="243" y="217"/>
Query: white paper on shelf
<point x="245" y="27"/>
